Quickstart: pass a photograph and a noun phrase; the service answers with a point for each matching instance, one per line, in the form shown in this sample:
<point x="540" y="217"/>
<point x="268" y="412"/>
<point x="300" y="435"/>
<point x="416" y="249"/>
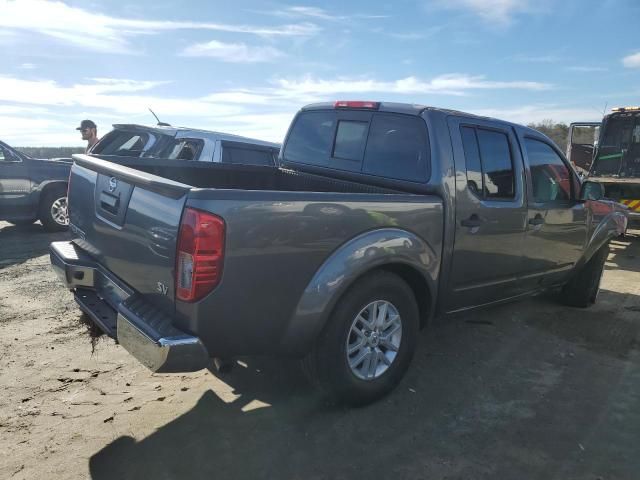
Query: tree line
<point x="50" y="152"/>
<point x="558" y="132"/>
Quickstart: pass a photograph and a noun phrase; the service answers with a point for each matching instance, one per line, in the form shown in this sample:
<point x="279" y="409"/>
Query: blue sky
<point x="246" y="67"/>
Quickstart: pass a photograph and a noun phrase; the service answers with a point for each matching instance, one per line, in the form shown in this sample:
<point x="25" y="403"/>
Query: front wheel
<point x="367" y="345"/>
<point x="53" y="210"/>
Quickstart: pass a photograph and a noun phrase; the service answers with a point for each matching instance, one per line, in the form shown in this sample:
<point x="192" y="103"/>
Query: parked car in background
<point x="33" y="189"/>
<point x="379" y="217"/>
<point x="180" y="143"/>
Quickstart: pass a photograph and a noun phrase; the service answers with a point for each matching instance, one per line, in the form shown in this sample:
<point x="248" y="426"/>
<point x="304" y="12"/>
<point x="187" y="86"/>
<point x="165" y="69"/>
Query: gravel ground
<point x="530" y="390"/>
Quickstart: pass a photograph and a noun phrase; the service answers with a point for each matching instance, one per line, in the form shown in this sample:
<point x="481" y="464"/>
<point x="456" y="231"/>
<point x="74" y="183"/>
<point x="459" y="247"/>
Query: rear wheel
<point x="369" y="341"/>
<point x="583" y="289"/>
<point x="53" y="210"/>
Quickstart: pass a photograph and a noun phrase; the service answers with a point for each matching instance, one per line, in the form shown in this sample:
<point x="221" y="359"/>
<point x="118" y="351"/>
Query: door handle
<point x="474" y="221"/>
<point x="536" y="221"/>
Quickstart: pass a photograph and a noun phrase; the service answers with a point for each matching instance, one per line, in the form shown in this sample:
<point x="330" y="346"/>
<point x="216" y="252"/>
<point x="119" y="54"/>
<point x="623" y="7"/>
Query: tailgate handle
<point x="110" y="203"/>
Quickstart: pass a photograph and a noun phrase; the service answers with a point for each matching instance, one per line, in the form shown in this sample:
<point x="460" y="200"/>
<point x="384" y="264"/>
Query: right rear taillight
<point x="199" y="255"/>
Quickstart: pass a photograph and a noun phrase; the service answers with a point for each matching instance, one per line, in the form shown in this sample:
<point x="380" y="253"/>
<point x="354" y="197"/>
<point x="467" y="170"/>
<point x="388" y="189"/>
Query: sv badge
<point x="162" y="288"/>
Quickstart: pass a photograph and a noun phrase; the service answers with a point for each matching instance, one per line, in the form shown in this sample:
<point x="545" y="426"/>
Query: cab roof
<point x="412" y="109"/>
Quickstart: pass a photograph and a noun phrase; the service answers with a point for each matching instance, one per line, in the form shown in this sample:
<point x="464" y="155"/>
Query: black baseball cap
<point x="86" y="124"/>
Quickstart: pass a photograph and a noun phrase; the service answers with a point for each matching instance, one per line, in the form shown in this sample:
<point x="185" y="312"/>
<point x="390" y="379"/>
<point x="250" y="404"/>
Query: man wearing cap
<point x="89" y="133"/>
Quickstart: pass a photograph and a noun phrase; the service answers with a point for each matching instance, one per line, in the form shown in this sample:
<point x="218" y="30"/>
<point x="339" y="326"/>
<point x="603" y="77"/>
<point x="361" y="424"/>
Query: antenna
<point x="604" y="110"/>
<point x="160" y="124"/>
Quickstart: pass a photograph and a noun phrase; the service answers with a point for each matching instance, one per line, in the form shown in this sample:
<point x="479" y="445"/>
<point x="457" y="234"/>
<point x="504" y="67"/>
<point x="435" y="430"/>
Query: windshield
<point x="619" y="149"/>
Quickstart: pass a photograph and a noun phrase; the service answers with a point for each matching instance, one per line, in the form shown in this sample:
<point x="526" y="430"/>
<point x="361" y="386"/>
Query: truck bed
<point x="243" y="177"/>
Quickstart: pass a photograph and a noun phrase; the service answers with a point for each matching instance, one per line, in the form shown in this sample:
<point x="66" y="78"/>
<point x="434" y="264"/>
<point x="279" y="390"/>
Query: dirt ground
<point x="531" y="390"/>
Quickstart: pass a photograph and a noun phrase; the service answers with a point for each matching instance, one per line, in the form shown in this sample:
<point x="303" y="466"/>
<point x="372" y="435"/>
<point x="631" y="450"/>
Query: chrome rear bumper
<point x="145" y="332"/>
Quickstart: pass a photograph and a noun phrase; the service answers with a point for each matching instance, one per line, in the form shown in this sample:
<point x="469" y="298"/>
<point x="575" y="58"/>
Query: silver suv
<point x="179" y="143"/>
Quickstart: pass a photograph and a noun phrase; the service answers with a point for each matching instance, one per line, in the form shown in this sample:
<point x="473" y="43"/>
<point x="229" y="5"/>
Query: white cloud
<point x="316" y="13"/>
<point x="27" y="66"/>
<point x="114" y="95"/>
<point x="98" y="32"/>
<point x="632" y="61"/>
<point x="121" y="85"/>
<point x="266" y="126"/>
<point x="262" y="112"/>
<point x="493" y="11"/>
<point x="22" y="110"/>
<point x="8" y="38"/>
<point x="408" y="36"/>
<point x="22" y="131"/>
<point x="313" y="12"/>
<point x="238" y="97"/>
<point x="586" y="69"/>
<point x="451" y="84"/>
<point x="537" y="59"/>
<point x="537" y="113"/>
<point x="233" y="52"/>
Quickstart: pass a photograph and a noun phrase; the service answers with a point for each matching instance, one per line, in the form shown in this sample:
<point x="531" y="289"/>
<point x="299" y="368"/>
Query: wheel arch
<point x="411" y="258"/>
<point x="611" y="226"/>
<point x="48" y="186"/>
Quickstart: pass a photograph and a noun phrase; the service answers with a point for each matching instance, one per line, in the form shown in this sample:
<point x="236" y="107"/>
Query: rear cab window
<point x="383" y="144"/>
<point x="351" y="138"/>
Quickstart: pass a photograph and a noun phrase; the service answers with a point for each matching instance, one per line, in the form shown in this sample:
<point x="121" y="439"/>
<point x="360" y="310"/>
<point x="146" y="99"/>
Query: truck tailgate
<point x="128" y="222"/>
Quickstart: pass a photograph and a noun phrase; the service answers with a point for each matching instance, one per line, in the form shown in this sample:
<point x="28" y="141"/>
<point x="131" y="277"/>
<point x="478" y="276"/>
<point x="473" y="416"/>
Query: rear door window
<point x="397" y="148"/>
<point x="497" y="166"/>
<point x="490" y="173"/>
<point x="472" y="159"/>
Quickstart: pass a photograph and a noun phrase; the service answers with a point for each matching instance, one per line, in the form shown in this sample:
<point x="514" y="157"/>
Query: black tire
<point x="582" y="290"/>
<point x="46" y="203"/>
<point x="327" y="365"/>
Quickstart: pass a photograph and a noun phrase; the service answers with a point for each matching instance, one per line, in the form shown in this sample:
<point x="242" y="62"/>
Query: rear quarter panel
<point x="281" y="245"/>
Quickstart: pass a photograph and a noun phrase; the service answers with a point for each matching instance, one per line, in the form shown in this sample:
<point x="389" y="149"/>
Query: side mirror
<point x="591" y="191"/>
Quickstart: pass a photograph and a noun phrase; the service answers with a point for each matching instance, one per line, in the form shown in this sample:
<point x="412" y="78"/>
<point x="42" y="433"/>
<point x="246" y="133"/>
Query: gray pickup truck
<point x="379" y="217"/>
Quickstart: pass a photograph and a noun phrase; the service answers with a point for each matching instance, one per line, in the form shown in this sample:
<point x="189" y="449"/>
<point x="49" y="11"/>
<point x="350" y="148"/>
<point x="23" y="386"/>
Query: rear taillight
<point x="356" y="104"/>
<point x="199" y="255"/>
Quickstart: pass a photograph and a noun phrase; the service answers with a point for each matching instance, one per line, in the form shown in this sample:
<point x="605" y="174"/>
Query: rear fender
<point x="367" y="252"/>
